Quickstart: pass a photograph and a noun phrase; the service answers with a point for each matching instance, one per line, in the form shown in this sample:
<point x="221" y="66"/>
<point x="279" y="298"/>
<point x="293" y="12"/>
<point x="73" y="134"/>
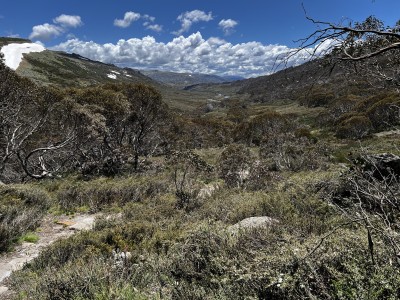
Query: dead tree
<point x="369" y="48"/>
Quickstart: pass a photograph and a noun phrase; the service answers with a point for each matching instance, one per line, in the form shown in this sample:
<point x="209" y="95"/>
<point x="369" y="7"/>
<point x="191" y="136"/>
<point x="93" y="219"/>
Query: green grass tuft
<point x="29" y="237"/>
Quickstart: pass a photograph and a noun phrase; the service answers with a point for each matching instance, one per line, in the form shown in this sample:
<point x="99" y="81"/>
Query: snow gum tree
<point x="30" y="132"/>
<point x="145" y="117"/>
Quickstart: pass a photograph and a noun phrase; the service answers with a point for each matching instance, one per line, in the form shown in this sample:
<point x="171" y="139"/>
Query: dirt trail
<point x="386" y="133"/>
<point x="51" y="229"/>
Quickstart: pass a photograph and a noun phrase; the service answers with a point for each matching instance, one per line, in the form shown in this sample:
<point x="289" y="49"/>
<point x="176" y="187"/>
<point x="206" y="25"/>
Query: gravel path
<point x="51" y="229"/>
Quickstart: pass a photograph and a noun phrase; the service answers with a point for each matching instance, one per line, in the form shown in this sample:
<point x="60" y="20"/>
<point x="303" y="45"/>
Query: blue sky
<point x="233" y="37"/>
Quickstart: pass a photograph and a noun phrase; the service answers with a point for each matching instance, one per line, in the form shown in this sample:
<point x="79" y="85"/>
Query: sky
<point x="222" y="37"/>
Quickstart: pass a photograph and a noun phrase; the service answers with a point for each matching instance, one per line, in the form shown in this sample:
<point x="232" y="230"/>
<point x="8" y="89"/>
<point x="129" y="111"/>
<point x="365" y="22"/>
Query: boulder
<point x="253" y="223"/>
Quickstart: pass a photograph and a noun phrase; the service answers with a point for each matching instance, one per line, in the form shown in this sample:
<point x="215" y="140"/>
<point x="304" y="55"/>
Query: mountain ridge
<point x="185" y="79"/>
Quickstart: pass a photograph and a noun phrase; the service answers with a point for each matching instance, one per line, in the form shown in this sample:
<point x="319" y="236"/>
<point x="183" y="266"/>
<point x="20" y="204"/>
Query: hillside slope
<point x="342" y="78"/>
<point x="63" y="69"/>
<point x="58" y="68"/>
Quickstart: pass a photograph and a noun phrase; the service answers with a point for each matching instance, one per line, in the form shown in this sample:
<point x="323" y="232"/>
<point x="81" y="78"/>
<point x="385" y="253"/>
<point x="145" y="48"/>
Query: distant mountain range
<point x="182" y="80"/>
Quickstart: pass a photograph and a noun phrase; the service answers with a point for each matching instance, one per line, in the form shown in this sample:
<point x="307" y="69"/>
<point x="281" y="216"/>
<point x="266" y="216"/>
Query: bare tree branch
<point x="42" y="164"/>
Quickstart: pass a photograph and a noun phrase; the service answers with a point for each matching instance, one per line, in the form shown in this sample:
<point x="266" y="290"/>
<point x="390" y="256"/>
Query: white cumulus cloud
<point x="153" y="27"/>
<point x="188" y="54"/>
<point x="45" y="32"/>
<point x="131" y="17"/>
<point x="68" y="21"/>
<point x="227" y="25"/>
<point x="128" y="19"/>
<point x="188" y="18"/>
<point x="61" y="25"/>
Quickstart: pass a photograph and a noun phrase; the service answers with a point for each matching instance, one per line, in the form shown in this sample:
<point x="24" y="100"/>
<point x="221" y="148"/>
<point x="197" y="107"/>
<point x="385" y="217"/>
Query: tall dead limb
<point x="368" y="48"/>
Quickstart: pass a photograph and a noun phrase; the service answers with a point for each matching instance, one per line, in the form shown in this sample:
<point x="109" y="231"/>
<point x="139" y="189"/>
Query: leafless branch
<point x="42" y="164"/>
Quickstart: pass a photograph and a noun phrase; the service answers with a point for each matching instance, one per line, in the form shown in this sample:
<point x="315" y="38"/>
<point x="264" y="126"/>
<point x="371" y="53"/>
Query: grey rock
<point x="252" y="223"/>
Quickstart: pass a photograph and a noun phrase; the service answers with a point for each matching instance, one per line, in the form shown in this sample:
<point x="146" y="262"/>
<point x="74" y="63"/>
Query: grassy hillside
<point x="62" y="69"/>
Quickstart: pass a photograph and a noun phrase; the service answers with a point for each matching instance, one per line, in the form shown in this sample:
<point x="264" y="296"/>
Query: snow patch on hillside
<point x="112" y="76"/>
<point x="13" y="53"/>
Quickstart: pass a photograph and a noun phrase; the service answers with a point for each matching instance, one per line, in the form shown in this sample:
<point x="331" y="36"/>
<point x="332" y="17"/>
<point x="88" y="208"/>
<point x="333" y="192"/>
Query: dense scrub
<point x="355" y="117"/>
<point x="155" y="249"/>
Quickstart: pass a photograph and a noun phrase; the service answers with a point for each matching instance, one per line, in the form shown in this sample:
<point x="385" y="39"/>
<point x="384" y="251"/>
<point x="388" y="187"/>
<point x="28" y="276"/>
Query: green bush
<point x="99" y="278"/>
<point x="186" y="167"/>
<point x="295" y="153"/>
<point x="267" y="124"/>
<point x="262" y="176"/>
<point x="234" y="165"/>
<point x="320" y="95"/>
<point x="385" y="114"/>
<point x="342" y="106"/>
<point x="21" y="210"/>
<point x="355" y="127"/>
